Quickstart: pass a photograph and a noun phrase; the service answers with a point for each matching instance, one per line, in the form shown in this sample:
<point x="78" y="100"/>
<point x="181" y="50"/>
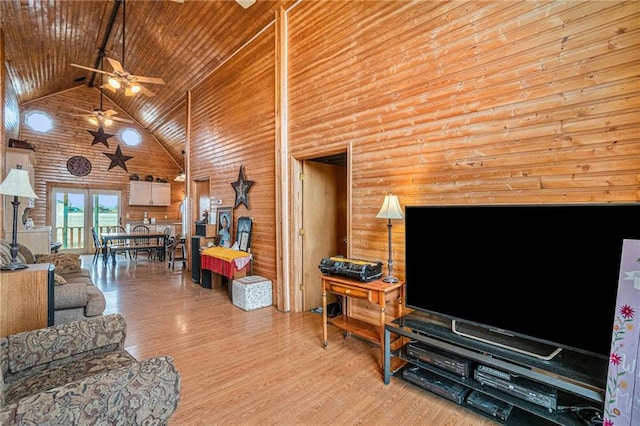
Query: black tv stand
<point x="514" y="343"/>
<point x="574" y="379"/>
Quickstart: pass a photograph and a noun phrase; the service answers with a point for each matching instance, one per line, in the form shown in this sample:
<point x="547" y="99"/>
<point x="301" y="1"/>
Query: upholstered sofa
<point x="75" y="295"/>
<point x="79" y="373"/>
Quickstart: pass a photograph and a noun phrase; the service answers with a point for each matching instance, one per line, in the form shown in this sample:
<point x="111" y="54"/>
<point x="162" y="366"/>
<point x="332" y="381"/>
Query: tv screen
<point x="546" y="273"/>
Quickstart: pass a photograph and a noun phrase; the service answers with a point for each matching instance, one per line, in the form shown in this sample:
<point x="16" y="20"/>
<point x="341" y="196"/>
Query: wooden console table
<point x="387" y="297"/>
<point x="26" y="299"/>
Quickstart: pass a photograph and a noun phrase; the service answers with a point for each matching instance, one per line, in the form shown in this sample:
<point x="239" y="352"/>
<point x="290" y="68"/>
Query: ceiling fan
<point x="100" y="117"/>
<point x="120" y="78"/>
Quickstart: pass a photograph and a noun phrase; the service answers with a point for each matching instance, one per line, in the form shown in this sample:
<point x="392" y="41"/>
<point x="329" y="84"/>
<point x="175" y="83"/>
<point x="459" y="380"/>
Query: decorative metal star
<point x="100" y="136"/>
<point x="118" y="159"/>
<point x="242" y="186"/>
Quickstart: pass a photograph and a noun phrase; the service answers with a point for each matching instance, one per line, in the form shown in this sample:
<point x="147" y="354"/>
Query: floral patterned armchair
<point x="79" y="373"/>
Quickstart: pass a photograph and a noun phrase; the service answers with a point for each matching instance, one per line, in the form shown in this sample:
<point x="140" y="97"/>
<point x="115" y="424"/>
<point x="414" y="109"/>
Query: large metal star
<point x="242" y="186"/>
<point x="100" y="136"/>
<point x="118" y="159"/>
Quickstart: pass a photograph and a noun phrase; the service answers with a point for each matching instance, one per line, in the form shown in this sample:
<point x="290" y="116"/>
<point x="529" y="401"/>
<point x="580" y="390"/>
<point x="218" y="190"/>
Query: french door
<point x="75" y="211"/>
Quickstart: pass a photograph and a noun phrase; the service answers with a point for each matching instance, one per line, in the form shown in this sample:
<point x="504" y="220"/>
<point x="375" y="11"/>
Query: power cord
<point x="591" y="416"/>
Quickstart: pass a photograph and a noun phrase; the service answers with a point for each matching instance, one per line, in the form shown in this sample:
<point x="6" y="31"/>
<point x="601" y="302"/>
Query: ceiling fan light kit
<point x="120" y="78"/>
<point x="113" y="82"/>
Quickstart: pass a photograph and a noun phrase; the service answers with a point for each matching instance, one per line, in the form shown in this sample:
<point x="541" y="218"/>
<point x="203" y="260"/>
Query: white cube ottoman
<point x="251" y="292"/>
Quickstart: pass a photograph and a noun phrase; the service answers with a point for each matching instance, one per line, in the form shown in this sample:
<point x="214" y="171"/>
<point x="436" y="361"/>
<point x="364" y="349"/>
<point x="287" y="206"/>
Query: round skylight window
<point x="39" y="121"/>
<point x="131" y="137"/>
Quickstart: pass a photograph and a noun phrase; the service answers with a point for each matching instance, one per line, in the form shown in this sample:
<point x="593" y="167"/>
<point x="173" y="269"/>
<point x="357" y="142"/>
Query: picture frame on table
<point x="224" y="226"/>
<point x="243" y="233"/>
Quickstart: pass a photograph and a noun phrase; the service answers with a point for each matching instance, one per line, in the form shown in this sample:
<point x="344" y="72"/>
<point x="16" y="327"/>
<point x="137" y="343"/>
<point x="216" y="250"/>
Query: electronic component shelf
<point x="569" y="380"/>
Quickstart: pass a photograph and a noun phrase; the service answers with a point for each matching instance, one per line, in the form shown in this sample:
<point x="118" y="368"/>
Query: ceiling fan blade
<point x="115" y="64"/>
<point x="91" y="69"/>
<point x="146" y="91"/>
<point x="110" y="112"/>
<point x="122" y="120"/>
<point x="83" y="110"/>
<point x="108" y="86"/>
<point x="245" y="3"/>
<point x="151" y="80"/>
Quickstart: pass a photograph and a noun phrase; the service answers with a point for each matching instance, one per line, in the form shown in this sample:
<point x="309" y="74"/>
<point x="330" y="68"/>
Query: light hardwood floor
<point x="260" y="367"/>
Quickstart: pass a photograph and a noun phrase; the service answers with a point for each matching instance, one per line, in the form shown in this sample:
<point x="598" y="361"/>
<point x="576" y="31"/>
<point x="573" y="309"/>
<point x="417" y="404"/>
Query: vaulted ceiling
<point x="180" y="41"/>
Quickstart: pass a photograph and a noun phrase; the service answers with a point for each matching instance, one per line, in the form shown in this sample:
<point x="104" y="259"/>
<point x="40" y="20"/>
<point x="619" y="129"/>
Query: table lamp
<point x="390" y="210"/>
<point x="17" y="184"/>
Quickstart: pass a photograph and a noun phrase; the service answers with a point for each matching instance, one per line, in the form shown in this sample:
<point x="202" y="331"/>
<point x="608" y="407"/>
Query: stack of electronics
<point x="447" y="388"/>
<point x="363" y="270"/>
<point x="537" y="393"/>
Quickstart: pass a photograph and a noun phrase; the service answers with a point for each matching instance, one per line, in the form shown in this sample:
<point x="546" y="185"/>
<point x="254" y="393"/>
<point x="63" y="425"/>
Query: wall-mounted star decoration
<point x="242" y="186"/>
<point x="100" y="136"/>
<point x="118" y="159"/>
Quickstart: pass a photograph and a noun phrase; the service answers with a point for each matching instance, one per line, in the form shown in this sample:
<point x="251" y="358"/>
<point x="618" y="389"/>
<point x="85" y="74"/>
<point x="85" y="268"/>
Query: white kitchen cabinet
<point x="149" y="193"/>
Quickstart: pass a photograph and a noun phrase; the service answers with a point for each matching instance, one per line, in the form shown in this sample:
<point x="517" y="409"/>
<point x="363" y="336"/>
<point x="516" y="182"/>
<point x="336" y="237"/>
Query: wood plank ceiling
<point x="180" y="41"/>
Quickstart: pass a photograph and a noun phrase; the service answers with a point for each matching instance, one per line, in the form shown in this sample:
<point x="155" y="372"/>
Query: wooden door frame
<point x="294" y="215"/>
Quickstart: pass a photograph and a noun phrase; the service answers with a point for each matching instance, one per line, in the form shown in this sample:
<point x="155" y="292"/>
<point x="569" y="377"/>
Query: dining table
<point x="127" y="241"/>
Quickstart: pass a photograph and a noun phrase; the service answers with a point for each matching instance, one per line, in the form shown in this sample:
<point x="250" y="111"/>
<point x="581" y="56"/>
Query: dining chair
<point x="97" y="243"/>
<point x="176" y="252"/>
<point x="141" y="244"/>
<point x="118" y="246"/>
<point x="163" y="246"/>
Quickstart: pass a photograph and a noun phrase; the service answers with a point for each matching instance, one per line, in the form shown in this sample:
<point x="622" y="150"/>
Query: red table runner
<point x="223" y="263"/>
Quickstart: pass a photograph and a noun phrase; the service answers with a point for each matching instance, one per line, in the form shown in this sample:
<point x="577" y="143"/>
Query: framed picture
<point x="243" y="233"/>
<point x="224" y="221"/>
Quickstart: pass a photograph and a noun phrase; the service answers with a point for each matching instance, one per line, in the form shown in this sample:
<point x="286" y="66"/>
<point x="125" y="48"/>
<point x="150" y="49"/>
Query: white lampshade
<point x="17" y="183"/>
<point x="390" y="208"/>
<point x="113" y="82"/>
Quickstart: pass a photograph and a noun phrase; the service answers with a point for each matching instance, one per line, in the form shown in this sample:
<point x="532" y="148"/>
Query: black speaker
<point x="50" y="295"/>
<point x="195" y="259"/>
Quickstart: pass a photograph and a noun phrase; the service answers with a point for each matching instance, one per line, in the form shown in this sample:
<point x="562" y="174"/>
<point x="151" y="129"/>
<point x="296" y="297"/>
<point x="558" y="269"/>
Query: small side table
<point x="26" y="299"/>
<point x="377" y="292"/>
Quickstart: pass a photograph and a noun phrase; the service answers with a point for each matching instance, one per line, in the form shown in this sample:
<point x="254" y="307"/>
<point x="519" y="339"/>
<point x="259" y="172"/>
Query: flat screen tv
<point x="520" y="275"/>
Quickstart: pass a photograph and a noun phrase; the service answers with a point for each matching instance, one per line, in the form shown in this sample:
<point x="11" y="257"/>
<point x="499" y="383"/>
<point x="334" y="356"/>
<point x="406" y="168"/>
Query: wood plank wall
<point x="467" y="103"/>
<point x="70" y="137"/>
<point x="9" y="112"/>
<point x="441" y="103"/>
<point x="233" y="126"/>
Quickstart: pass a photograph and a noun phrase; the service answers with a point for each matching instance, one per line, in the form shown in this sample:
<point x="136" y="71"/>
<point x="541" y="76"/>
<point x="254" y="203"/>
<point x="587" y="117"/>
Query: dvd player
<point x="435" y="383"/>
<point x="528" y="390"/>
<point x="445" y="360"/>
<point x="490" y="405"/>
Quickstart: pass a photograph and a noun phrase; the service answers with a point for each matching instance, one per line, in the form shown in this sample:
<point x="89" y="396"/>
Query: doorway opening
<point x="324" y="217"/>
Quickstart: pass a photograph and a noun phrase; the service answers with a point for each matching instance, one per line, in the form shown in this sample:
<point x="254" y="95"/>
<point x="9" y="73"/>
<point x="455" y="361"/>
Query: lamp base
<point x="13" y="265"/>
<point x="390" y="279"/>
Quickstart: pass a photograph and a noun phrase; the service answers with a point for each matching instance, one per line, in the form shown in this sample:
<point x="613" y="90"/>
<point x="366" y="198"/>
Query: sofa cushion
<point x="82" y="273"/>
<point x="61" y="375"/>
<point x="71" y="295"/>
<point x="78" y="280"/>
<point x="96" y="303"/>
<point x="59" y="279"/>
<point x="26" y="351"/>
<point x="64" y="262"/>
<point x="142" y="393"/>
